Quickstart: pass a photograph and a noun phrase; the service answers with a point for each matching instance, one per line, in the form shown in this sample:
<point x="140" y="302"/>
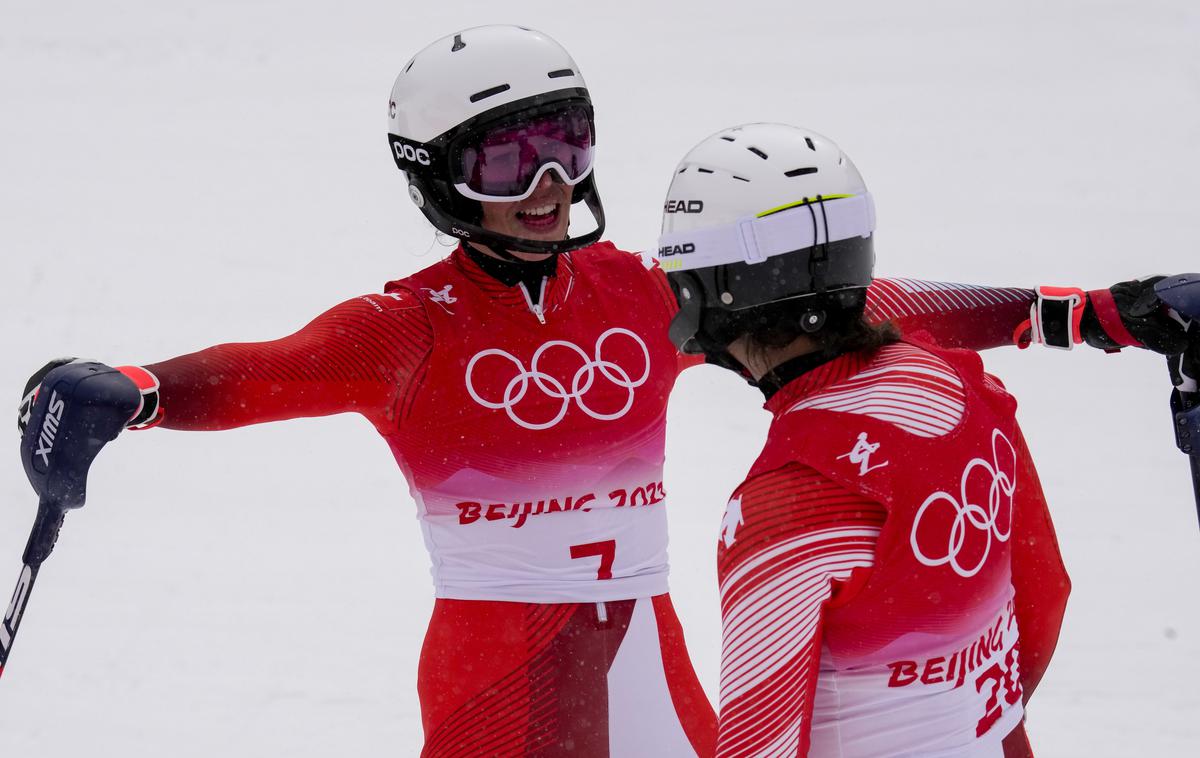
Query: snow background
<point x="174" y="175"/>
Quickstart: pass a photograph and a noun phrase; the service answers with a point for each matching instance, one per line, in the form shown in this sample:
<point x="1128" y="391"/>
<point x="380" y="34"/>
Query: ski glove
<point x="1128" y="314"/>
<point x="148" y="414"/>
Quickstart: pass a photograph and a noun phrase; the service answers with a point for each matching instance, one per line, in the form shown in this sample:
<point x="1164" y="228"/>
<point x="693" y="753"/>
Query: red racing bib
<point x="535" y="444"/>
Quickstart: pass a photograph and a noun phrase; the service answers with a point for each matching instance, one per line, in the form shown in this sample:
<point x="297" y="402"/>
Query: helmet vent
<point x="727" y="138"/>
<point x="680" y="171"/>
<point x="758" y="152"/>
<point x="705" y="170"/>
<point x="741" y="178"/>
<point x="808" y="141"/>
<point x="410" y="65"/>
<point x="484" y="94"/>
<point x="801" y="171"/>
<point x="458" y="44"/>
<point x="560" y="73"/>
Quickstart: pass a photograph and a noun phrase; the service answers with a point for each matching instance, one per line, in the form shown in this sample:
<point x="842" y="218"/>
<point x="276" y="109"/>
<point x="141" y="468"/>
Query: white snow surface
<point x="174" y="175"/>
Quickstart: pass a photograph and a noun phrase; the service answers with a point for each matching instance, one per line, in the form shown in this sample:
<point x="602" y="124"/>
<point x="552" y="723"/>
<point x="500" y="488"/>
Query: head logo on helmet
<point x="466" y="93"/>
<point x="680" y="249"/>
<point x="683" y="206"/>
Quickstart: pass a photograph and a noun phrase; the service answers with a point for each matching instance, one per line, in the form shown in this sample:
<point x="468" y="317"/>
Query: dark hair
<point x="845" y="330"/>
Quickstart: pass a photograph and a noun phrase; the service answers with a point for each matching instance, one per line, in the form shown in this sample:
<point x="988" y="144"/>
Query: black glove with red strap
<point x="148" y="414"/>
<point x="1128" y="314"/>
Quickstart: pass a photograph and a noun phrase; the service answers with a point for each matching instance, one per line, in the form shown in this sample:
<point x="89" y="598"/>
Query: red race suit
<point x="890" y="579"/>
<point x="531" y="432"/>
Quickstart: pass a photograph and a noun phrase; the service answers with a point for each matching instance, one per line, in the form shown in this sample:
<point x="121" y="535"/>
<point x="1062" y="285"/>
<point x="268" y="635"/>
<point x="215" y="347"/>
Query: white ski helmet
<point x="452" y="98"/>
<point x="763" y="222"/>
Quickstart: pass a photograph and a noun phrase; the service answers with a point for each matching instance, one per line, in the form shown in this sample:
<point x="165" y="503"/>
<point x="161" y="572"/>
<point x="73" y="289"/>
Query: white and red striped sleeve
<point x="789" y="537"/>
<point x="953" y="315"/>
<point x="363" y="355"/>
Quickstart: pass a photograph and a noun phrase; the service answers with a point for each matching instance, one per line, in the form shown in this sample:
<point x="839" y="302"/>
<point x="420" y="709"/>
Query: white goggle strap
<point x="754" y="239"/>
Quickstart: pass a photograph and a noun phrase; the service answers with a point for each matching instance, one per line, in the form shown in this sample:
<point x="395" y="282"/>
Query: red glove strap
<point x="1109" y="317"/>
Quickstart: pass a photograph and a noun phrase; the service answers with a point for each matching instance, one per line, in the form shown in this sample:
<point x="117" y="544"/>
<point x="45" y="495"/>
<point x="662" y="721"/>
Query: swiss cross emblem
<point x="732" y="520"/>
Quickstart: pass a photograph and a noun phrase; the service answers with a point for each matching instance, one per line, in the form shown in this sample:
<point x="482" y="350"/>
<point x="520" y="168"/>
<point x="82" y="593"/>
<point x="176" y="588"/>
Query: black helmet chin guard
<point x="719" y="304"/>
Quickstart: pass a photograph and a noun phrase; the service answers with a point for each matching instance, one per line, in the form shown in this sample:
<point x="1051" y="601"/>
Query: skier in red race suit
<point x="522" y="385"/>
<point x="890" y="578"/>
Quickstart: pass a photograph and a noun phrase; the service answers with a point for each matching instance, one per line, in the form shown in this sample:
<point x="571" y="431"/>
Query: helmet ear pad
<point x="687" y="325"/>
<point x="435" y="201"/>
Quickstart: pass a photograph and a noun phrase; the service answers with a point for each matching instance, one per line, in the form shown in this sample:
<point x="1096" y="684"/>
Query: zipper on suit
<point x="536" y="309"/>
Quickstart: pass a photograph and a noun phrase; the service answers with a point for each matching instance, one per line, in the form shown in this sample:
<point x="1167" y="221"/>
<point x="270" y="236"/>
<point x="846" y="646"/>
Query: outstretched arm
<point x="361" y="356"/>
<point x="1128" y="314"/>
<point x="953" y="315"/>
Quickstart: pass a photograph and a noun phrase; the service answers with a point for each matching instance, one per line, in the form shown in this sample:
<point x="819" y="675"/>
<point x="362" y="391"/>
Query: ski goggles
<point x="506" y="162"/>
<point x="755" y="239"/>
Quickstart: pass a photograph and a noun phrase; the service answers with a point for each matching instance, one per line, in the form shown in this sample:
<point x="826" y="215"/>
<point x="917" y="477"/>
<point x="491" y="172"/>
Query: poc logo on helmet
<point x="411" y="154"/>
<point x="683" y="206"/>
<point x="669" y="250"/>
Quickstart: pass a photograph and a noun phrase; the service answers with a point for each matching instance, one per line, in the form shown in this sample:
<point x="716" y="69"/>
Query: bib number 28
<point x="1005" y="681"/>
<point x="605" y="550"/>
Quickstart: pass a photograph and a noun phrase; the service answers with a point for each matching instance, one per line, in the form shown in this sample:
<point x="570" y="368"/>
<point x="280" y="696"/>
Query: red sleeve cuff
<point x="150" y="412"/>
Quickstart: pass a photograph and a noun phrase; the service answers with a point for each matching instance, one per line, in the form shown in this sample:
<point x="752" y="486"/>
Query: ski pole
<point x="1185" y="407"/>
<point x="1182" y="293"/>
<point x="79" y="408"/>
<point x="41" y="541"/>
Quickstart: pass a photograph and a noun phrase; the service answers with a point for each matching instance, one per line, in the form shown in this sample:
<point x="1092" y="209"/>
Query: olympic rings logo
<point x="994" y="521"/>
<point x="585" y="377"/>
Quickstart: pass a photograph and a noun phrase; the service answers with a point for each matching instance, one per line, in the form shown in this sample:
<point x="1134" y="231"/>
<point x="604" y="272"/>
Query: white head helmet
<point x="456" y="93"/>
<point x="761" y="222"/>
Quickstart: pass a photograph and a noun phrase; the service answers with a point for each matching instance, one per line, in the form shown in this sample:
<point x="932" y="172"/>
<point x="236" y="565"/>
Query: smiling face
<point x="543" y="216"/>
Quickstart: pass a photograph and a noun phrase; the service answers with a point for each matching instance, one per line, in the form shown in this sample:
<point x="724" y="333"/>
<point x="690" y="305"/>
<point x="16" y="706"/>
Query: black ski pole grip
<point x="44" y="534"/>
<point x="80" y="408"/>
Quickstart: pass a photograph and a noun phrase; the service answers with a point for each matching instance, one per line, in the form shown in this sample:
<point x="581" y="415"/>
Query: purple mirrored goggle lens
<point x="503" y="162"/>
